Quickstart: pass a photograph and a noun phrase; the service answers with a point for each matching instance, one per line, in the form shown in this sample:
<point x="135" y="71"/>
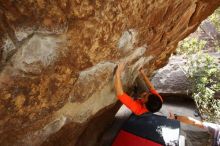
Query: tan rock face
<point x="58" y="58"/>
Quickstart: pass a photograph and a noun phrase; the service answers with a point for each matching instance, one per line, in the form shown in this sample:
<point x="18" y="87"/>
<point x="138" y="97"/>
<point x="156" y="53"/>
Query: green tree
<point x="203" y="72"/>
<point x="215" y="18"/>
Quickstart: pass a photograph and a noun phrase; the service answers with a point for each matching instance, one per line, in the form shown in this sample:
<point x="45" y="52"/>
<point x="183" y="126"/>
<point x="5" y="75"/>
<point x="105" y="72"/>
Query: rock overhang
<point x="58" y="59"/>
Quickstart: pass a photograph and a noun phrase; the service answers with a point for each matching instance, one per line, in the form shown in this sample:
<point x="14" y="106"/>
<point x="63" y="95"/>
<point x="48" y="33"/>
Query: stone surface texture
<point x="172" y="79"/>
<point x="57" y="60"/>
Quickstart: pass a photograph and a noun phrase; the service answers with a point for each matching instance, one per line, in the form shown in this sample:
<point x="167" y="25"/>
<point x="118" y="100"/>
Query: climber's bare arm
<point x="146" y="79"/>
<point x="187" y="120"/>
<point x="190" y="121"/>
<point x="117" y="82"/>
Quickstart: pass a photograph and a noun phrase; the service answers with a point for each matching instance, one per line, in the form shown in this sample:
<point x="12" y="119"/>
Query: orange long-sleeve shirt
<point x="136" y="106"/>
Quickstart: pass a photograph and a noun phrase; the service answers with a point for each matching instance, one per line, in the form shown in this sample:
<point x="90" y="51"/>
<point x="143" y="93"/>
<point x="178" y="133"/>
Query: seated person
<point x="213" y="129"/>
<point x="149" y="102"/>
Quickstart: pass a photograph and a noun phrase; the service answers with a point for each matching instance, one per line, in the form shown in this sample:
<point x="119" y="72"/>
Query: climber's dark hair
<point x="154" y="103"/>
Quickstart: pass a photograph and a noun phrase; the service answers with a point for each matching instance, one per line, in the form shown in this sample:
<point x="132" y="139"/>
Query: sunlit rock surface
<point x="171" y="80"/>
<point x="58" y="57"/>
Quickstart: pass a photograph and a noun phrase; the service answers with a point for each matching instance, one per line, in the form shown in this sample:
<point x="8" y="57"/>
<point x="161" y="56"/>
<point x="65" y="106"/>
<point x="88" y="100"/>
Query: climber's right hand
<point x="120" y="68"/>
<point x="141" y="70"/>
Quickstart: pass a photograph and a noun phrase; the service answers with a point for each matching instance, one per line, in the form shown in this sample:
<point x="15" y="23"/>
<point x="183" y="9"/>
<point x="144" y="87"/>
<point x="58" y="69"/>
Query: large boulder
<point x="58" y="58"/>
<point x="171" y="80"/>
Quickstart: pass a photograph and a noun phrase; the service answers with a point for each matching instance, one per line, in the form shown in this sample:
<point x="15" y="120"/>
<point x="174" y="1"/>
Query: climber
<point x="213" y="129"/>
<point x="149" y="102"/>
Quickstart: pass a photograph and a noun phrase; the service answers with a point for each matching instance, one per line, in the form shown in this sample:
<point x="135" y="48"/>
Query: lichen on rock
<point x="58" y="58"/>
